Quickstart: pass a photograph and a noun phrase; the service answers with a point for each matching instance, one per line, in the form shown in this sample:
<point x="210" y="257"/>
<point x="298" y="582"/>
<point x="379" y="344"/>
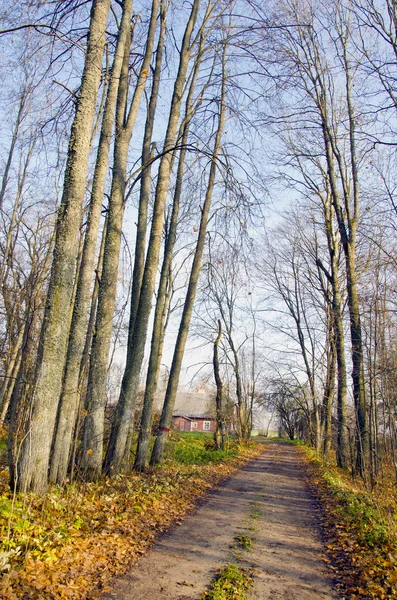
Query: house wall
<point x="202" y="425"/>
<point x="181" y="424"/>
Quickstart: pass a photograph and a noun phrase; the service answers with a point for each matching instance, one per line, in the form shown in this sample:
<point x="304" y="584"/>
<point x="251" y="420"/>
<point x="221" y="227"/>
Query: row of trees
<point x="330" y="260"/>
<point x="68" y="378"/>
<point x="182" y="119"/>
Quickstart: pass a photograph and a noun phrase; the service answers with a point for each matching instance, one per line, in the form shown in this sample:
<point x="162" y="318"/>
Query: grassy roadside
<point x="232" y="583"/>
<point x="70" y="543"/>
<point x="360" y="529"/>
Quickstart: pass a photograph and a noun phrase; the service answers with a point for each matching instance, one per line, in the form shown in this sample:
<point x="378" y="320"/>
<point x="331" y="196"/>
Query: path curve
<point x="268" y="501"/>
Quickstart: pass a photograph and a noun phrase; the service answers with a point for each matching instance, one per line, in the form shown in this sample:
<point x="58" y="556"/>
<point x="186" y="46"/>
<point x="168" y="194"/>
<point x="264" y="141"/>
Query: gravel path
<point x="266" y="501"/>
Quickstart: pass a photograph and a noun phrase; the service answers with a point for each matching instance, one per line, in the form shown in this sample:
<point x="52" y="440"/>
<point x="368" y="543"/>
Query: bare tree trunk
<point x="354" y="306"/>
<point x="85" y="359"/>
<point x="241" y="421"/>
<point x="96" y="397"/>
<point x="329" y="387"/>
<point x="35" y="454"/>
<point x="144" y="195"/>
<point x="70" y="393"/>
<point x="348" y="240"/>
<point x="172" y="387"/>
<point x="347" y="219"/>
<point x="156" y="350"/>
<point x="161" y="301"/>
<point x="342" y="446"/>
<point x="24" y="375"/>
<point x="19" y="119"/>
<point x="362" y="441"/>
<point x="15" y="400"/>
<point x="218" y="434"/>
<point x="125" y="408"/>
<point x="84" y="364"/>
<point x="10" y="375"/>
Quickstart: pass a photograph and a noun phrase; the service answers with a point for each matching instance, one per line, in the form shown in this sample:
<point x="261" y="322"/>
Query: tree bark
<point x="166" y="416"/>
<point x="93" y="436"/>
<point x="70" y="390"/>
<point x="164" y="284"/>
<point x="218" y="434"/>
<point x="342" y="452"/>
<point x="348" y="234"/>
<point x="114" y="461"/>
<point x="10" y="375"/>
<point x="35" y="454"/>
<point x="144" y="195"/>
<point x="329" y="386"/>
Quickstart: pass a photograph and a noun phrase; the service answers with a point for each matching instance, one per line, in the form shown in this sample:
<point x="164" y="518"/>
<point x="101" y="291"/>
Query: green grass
<point x="244" y="541"/>
<point x="358" y="509"/>
<point x="197" y="449"/>
<point x="360" y="527"/>
<point x="232" y="583"/>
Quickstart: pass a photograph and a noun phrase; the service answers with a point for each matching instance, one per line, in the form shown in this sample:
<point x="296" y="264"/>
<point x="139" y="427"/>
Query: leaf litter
<point x="70" y="543"/>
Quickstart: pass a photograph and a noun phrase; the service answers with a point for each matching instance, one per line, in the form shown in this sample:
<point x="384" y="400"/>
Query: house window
<point x="206" y="425"/>
<point x="194" y="424"/>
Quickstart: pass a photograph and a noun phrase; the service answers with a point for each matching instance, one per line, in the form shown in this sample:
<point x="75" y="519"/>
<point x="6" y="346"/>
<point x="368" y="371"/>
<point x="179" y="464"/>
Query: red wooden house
<point x="194" y="412"/>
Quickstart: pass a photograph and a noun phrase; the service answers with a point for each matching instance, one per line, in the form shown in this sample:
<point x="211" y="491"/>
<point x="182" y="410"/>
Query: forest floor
<point x="268" y="521"/>
<point x="262" y="519"/>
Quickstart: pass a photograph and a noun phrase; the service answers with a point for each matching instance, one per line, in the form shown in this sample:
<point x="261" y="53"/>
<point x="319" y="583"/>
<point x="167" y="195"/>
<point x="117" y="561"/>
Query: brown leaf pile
<point x="74" y="540"/>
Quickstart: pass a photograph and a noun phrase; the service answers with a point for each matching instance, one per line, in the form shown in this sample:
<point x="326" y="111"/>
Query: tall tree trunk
<point x="347" y="215"/>
<point x="70" y="394"/>
<point x="329" y="387"/>
<point x="362" y="439"/>
<point x="173" y="381"/>
<point x="84" y="364"/>
<point x="354" y="305"/>
<point x="218" y="434"/>
<point x="157" y="342"/>
<point x="15" y="399"/>
<point x="342" y="445"/>
<point x="25" y="374"/>
<point x="125" y="408"/>
<point x="348" y="241"/>
<point x="342" y="452"/>
<point x="35" y="454"/>
<point x="161" y="301"/>
<point x="144" y="194"/>
<point x="241" y="416"/>
<point x="96" y="396"/>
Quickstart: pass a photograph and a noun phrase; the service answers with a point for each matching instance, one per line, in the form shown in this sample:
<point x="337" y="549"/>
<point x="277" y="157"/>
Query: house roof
<point x="192" y="405"/>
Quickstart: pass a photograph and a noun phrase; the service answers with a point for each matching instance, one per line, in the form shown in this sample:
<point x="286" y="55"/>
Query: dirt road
<point x="267" y="503"/>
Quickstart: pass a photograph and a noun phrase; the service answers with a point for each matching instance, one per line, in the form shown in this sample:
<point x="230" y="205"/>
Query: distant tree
<point x="287" y="399"/>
